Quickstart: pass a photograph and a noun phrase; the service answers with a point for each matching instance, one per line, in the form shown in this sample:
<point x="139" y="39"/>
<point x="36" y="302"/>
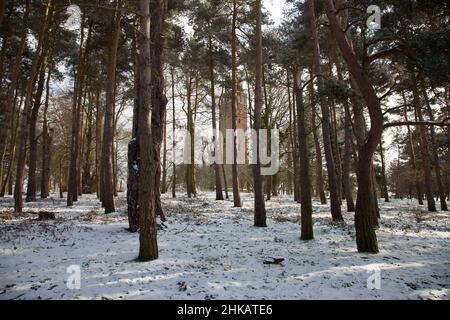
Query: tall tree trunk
<point x="148" y="244"/>
<point x="424" y="147"/>
<point x="5" y="112"/>
<point x="159" y="100"/>
<point x="346" y="166"/>
<point x="383" y="174"/>
<point x="365" y="233"/>
<point x="331" y="169"/>
<point x="174" y="141"/>
<point x="236" y="195"/>
<point x="133" y="146"/>
<point x="98" y="141"/>
<point x="108" y="130"/>
<point x="18" y="204"/>
<point x="190" y="168"/>
<point x="305" y="188"/>
<point x="412" y="155"/>
<point x="46" y="143"/>
<point x="437" y="165"/>
<point x="293" y="151"/>
<point x="260" y="207"/>
<point x="72" y="186"/>
<point x="32" y="139"/>
<point x="164" y="162"/>
<point x="318" y="153"/>
<point x="15" y="121"/>
<point x="218" y="182"/>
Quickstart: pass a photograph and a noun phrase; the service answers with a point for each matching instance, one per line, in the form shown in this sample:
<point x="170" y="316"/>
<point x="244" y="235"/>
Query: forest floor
<point x="210" y="250"/>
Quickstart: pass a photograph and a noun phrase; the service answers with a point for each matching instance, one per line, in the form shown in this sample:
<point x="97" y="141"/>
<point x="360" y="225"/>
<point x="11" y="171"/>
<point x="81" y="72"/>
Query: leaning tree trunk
<point x="148" y="244"/>
<point x="335" y="197"/>
<point x="260" y="207"/>
<point x="365" y="233"/>
<point x="108" y="131"/>
<point x="305" y="188"/>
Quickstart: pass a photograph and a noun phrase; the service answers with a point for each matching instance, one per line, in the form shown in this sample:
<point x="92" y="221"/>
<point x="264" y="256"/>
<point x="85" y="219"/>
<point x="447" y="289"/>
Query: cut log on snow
<point x="45" y="215"/>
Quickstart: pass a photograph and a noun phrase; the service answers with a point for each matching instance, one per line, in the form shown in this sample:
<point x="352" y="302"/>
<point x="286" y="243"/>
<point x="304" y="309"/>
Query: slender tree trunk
<point x="346" y="167"/>
<point x="15" y="121"/>
<point x="133" y="147"/>
<point x="174" y="141"/>
<point x="18" y="204"/>
<point x="108" y="134"/>
<point x="32" y="139"/>
<point x="437" y="165"/>
<point x="8" y="109"/>
<point x="331" y="169"/>
<point x="159" y="100"/>
<point x="148" y="244"/>
<point x="98" y="141"/>
<point x="236" y="196"/>
<point x="164" y="162"/>
<point x="72" y="186"/>
<point x="305" y="188"/>
<point x="293" y="151"/>
<point x="424" y="148"/>
<point x="46" y="143"/>
<point x="383" y="174"/>
<point x="318" y="153"/>
<point x="218" y="183"/>
<point x="260" y="207"/>
<point x="412" y="156"/>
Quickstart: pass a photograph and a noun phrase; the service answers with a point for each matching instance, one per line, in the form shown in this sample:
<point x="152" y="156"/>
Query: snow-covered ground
<point x="210" y="250"/>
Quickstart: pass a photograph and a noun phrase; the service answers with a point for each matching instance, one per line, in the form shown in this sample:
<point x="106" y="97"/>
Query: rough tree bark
<point x="383" y="174"/>
<point x="305" y="188"/>
<point x="159" y="100"/>
<point x="108" y="131"/>
<point x="46" y="143"/>
<point x="148" y="245"/>
<point x="260" y="207"/>
<point x="133" y="148"/>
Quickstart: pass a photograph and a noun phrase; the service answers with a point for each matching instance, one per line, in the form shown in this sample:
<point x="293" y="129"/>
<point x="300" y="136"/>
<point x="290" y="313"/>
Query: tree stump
<point x="45" y="215"/>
